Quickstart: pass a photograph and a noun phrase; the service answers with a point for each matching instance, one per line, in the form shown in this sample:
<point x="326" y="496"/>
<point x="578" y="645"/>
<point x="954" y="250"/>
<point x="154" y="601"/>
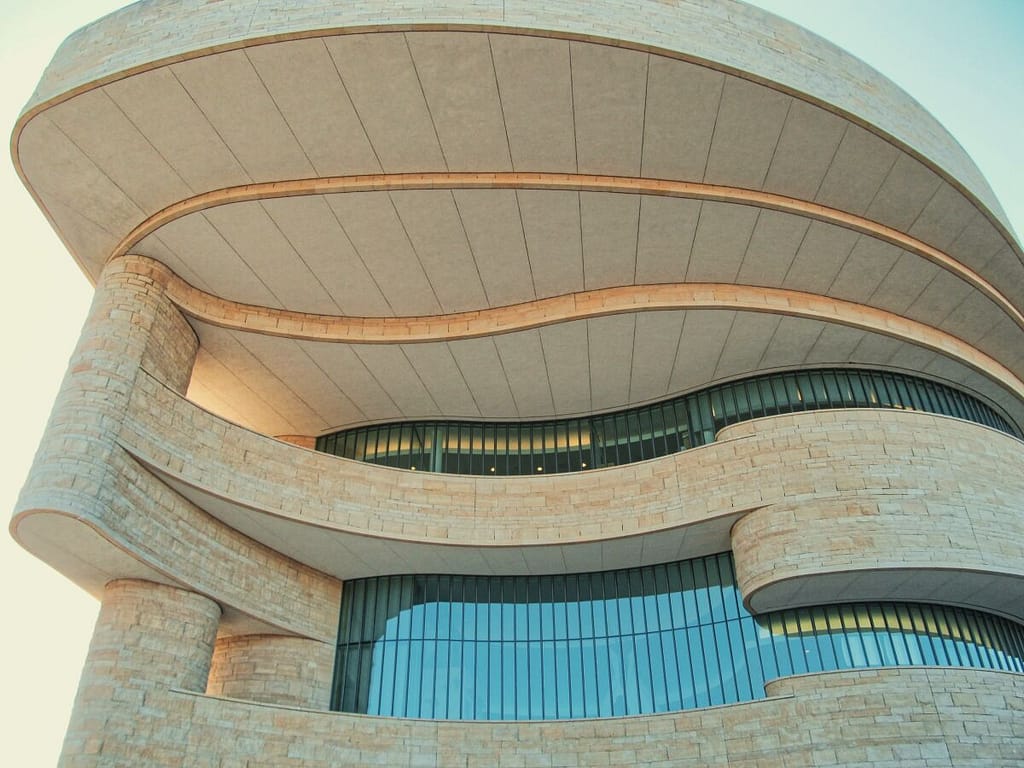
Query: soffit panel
<point x="481" y="368"/>
<point x="904" y="194"/>
<point x="494" y="227"/>
<point x="864" y="270"/>
<point x="196" y="241"/>
<point x="820" y="256"/>
<point x="569" y="369"/>
<point x="535" y="84"/>
<point x="313" y="230"/>
<point x="380" y="78"/>
<point x="903" y="284"/>
<point x="679" y="120"/>
<point x="723" y="234"/>
<point x="804" y="152"/>
<point x="302" y="79"/>
<point x="374" y="229"/>
<point x="261" y="244"/>
<point x="389" y="366"/>
<point x="773" y="246"/>
<point x="364" y="392"/>
<point x="164" y="112"/>
<point x="750" y="119"/>
<point x="102" y="132"/>
<point x="522" y="359"/>
<point x="231" y="95"/>
<point x="443" y="379"/>
<point x="861" y="163"/>
<point x="609" y="87"/>
<point x="434" y="228"/>
<point x="609" y="233"/>
<point x="551" y="225"/>
<point x="653" y="358"/>
<point x="665" y="239"/>
<point x="749" y="336"/>
<point x="62" y="173"/>
<point x="457" y="76"/>
<point x="568" y="362"/>
<point x="610" y="342"/>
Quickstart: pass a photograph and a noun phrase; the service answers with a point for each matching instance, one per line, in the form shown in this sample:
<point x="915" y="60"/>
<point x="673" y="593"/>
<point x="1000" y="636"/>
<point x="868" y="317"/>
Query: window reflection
<point x="636" y="641"/>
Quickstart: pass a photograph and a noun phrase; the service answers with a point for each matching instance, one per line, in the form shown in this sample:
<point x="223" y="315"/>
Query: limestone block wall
<point x="94" y="513"/>
<point x="273" y="669"/>
<point x="827" y="492"/>
<point x="878" y="718"/>
<point x="148" y="638"/>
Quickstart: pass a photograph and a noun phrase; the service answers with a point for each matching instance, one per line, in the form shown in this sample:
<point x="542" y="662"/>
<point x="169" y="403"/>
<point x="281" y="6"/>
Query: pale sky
<point x="962" y="59"/>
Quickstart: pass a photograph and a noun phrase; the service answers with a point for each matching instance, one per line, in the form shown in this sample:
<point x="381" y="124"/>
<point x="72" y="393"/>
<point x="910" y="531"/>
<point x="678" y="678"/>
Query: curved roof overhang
<point x="233" y="152"/>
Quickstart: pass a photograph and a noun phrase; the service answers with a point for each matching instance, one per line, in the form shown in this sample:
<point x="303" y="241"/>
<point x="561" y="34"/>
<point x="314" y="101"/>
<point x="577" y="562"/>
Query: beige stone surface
<point x="273" y="669"/>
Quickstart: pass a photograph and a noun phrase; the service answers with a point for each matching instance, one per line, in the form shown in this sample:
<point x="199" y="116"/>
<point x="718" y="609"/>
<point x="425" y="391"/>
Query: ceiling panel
<point x="903" y="283"/>
<point x="745" y="345"/>
<point x="220" y="266"/>
<point x="173" y="123"/>
<point x="657" y="341"/>
<point x="522" y="358"/>
<point x="313" y="230"/>
<point x="440" y="374"/>
<point x="667" y="228"/>
<point x="536" y="96"/>
<point x="102" y="132"/>
<point x="610" y="342"/>
<point x="750" y="119"/>
<point x="804" y="152"/>
<point x="792" y="340"/>
<point x="821" y="255"/>
<point x="858" y="169"/>
<point x="481" y="368"/>
<point x="381" y="81"/>
<point x="259" y="242"/>
<point x="609" y="86"/>
<point x="375" y="231"/>
<point x="835" y="344"/>
<point x="943" y="217"/>
<point x="495" y="230"/>
<point x="723" y="233"/>
<point x="868" y="264"/>
<point x="369" y="399"/>
<point x="391" y="368"/>
<point x="609" y="224"/>
<point x="566" y="352"/>
<point x="682" y="104"/>
<point x="904" y="194"/>
<point x="212" y="376"/>
<point x="773" y="245"/>
<point x="976" y="244"/>
<point x="551" y="222"/>
<point x="458" y="80"/>
<point x="233" y="98"/>
<point x="435" y="230"/>
<point x="704" y="335"/>
<point x="303" y="81"/>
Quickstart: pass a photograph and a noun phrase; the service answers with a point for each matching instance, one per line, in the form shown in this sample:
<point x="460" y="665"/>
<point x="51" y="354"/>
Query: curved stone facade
<point x="307" y="216"/>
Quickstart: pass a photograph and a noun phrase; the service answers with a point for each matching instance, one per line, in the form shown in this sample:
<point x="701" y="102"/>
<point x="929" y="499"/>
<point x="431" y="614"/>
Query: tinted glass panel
<point x="642" y="640"/>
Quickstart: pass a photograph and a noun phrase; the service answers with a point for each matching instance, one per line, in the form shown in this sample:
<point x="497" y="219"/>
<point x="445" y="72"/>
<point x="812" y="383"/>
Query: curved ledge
<point x="567" y="181"/>
<point x="912" y="710"/>
<point x="332" y="513"/>
<point x="576" y="306"/>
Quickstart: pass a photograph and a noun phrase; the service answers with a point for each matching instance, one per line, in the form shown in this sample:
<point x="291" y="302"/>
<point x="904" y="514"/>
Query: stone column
<point x="148" y="638"/>
<point x="274" y="669"/>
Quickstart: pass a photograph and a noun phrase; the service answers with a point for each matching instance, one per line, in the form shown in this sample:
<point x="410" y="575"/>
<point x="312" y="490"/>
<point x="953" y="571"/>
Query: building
<point x="634" y="228"/>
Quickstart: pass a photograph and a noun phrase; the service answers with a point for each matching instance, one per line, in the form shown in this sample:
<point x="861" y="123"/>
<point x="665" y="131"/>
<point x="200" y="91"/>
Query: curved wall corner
<point x="94" y="513"/>
<point x="273" y="669"/>
<point x="911" y="510"/>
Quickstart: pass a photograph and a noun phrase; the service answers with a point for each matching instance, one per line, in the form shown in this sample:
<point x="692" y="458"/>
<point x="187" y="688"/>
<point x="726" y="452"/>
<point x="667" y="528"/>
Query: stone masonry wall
<point x="911" y="718"/>
<point x="273" y="669"/>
